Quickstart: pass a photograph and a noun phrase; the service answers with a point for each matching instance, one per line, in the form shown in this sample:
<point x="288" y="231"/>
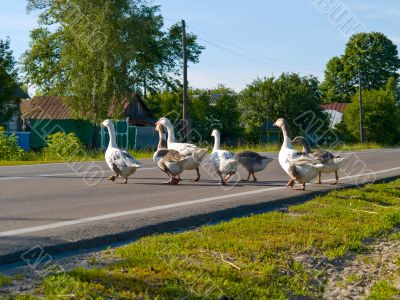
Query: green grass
<point x="32" y="157"/>
<point x="245" y="258"/>
<point x="383" y="290"/>
<point x="4" y="280"/>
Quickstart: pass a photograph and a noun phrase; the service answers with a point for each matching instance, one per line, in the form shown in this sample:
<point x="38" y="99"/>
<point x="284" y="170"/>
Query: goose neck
<point x="306" y="148"/>
<point x="286" y="136"/>
<point x="162" y="143"/>
<point x="217" y="142"/>
<point x="171" y="134"/>
<point x="111" y="133"/>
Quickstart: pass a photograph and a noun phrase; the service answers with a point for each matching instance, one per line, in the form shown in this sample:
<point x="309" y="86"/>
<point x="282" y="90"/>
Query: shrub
<point x="9" y="148"/>
<point x="63" y="146"/>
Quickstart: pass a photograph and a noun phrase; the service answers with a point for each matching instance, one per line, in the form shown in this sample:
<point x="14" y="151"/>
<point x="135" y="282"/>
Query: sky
<point x="250" y="39"/>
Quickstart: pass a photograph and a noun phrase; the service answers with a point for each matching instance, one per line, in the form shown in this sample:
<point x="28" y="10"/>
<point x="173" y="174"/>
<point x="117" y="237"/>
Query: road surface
<point x="66" y="206"/>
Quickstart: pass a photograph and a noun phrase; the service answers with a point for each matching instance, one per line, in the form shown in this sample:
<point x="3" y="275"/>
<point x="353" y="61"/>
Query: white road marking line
<point x="80" y="174"/>
<point x="160" y="207"/>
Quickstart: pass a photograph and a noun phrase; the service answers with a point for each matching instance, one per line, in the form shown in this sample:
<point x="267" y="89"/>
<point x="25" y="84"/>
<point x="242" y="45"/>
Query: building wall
<point x="40" y="129"/>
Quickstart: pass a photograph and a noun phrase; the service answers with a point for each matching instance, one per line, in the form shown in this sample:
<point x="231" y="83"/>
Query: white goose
<point x="196" y="153"/>
<point x="169" y="161"/>
<point x="222" y="160"/>
<point x="119" y="161"/>
<point x="297" y="165"/>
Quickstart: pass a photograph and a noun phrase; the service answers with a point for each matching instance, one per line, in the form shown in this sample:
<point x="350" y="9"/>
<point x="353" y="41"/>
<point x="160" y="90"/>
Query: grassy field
<point x="31" y="158"/>
<point x="258" y="257"/>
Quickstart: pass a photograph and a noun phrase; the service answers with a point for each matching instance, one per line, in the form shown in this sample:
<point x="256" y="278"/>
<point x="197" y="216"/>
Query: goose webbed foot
<point x="336" y="179"/>
<point x="173" y="181"/>
<point x="254" y="178"/>
<point x="290" y="183"/>
<point x="228" y="176"/>
<point x="198" y="175"/>
<point x="126" y="180"/>
<point x="112" y="178"/>
<point x="248" y="178"/>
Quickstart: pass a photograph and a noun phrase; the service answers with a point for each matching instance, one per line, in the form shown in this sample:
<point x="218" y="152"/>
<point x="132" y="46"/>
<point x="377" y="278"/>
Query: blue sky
<point x="249" y="39"/>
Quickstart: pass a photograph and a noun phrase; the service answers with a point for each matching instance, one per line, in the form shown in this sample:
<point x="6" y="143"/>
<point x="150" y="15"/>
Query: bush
<point x="9" y="148"/>
<point x="63" y="146"/>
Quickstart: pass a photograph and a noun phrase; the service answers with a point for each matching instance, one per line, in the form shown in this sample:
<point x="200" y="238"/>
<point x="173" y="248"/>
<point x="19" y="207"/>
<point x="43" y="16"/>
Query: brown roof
<point x="54" y="108"/>
<point x="45" y="107"/>
<point x="340" y="107"/>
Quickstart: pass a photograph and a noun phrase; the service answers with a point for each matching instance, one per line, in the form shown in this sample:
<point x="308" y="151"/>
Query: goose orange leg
<point x="336" y="177"/>
<point x="319" y="178"/>
<point x="198" y="175"/>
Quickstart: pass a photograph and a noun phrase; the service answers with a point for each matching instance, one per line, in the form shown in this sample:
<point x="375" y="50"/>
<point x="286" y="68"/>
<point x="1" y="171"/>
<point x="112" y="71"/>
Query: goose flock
<point x="173" y="158"/>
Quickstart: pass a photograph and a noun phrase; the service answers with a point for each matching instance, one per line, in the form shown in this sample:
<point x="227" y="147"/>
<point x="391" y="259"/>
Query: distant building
<point x="335" y="112"/>
<point x="269" y="133"/>
<point x="44" y="115"/>
<point x="14" y="123"/>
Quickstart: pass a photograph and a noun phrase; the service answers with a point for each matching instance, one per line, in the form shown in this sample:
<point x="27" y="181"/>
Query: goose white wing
<point x="122" y="159"/>
<point x="184" y="149"/>
<point x="224" y="161"/>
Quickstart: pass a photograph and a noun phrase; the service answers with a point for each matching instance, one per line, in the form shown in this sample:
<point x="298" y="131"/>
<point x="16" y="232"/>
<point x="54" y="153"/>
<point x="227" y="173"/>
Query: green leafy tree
<point x="8" y="81"/>
<point x="372" y="56"/>
<point x="96" y="53"/>
<point x="223" y="115"/>
<point x="381" y="115"/>
<point x="289" y="96"/>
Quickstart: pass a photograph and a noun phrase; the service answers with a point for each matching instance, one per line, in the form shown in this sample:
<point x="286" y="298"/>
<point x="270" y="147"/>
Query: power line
<point x="254" y="53"/>
<point x="247" y="57"/>
<point x="256" y="57"/>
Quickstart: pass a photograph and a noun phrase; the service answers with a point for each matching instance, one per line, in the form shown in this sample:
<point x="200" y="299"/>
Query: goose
<point x="196" y="153"/>
<point x="169" y="161"/>
<point x="223" y="161"/>
<point x="252" y="162"/>
<point x="297" y="165"/>
<point x="330" y="162"/>
<point x="119" y="161"/>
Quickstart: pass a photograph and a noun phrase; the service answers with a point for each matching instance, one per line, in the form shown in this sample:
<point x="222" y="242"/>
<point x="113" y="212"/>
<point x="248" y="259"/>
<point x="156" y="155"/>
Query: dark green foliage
<point x="8" y="82"/>
<point x="288" y="96"/>
<point x="223" y="115"/>
<point x="63" y="146"/>
<point x="372" y="55"/>
<point x="96" y="53"/>
<point x="9" y="148"/>
<point x="381" y="115"/>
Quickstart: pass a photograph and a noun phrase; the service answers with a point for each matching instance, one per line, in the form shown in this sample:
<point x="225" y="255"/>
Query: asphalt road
<point x="66" y="206"/>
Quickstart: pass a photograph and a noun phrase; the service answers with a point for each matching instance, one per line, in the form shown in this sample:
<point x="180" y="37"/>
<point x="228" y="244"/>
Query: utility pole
<point x="362" y="132"/>
<point x="186" y="128"/>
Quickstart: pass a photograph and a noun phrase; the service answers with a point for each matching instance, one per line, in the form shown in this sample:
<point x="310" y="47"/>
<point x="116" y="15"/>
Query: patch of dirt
<point x="27" y="279"/>
<point x="352" y="276"/>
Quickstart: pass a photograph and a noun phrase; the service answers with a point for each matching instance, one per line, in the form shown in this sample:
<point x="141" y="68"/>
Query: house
<point x="269" y="133"/>
<point x="14" y="123"/>
<point x="335" y="111"/>
<point x="44" y="115"/>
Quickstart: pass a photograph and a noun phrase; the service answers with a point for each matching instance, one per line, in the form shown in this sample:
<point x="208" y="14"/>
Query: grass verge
<point x="256" y="257"/>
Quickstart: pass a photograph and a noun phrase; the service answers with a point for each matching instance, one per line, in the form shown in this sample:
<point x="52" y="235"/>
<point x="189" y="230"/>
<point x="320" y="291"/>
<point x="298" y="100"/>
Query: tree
<point x="381" y="115"/>
<point x="8" y="81"/>
<point x="223" y="115"/>
<point x="289" y="96"/>
<point x="96" y="53"/>
<point x="372" y="56"/>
